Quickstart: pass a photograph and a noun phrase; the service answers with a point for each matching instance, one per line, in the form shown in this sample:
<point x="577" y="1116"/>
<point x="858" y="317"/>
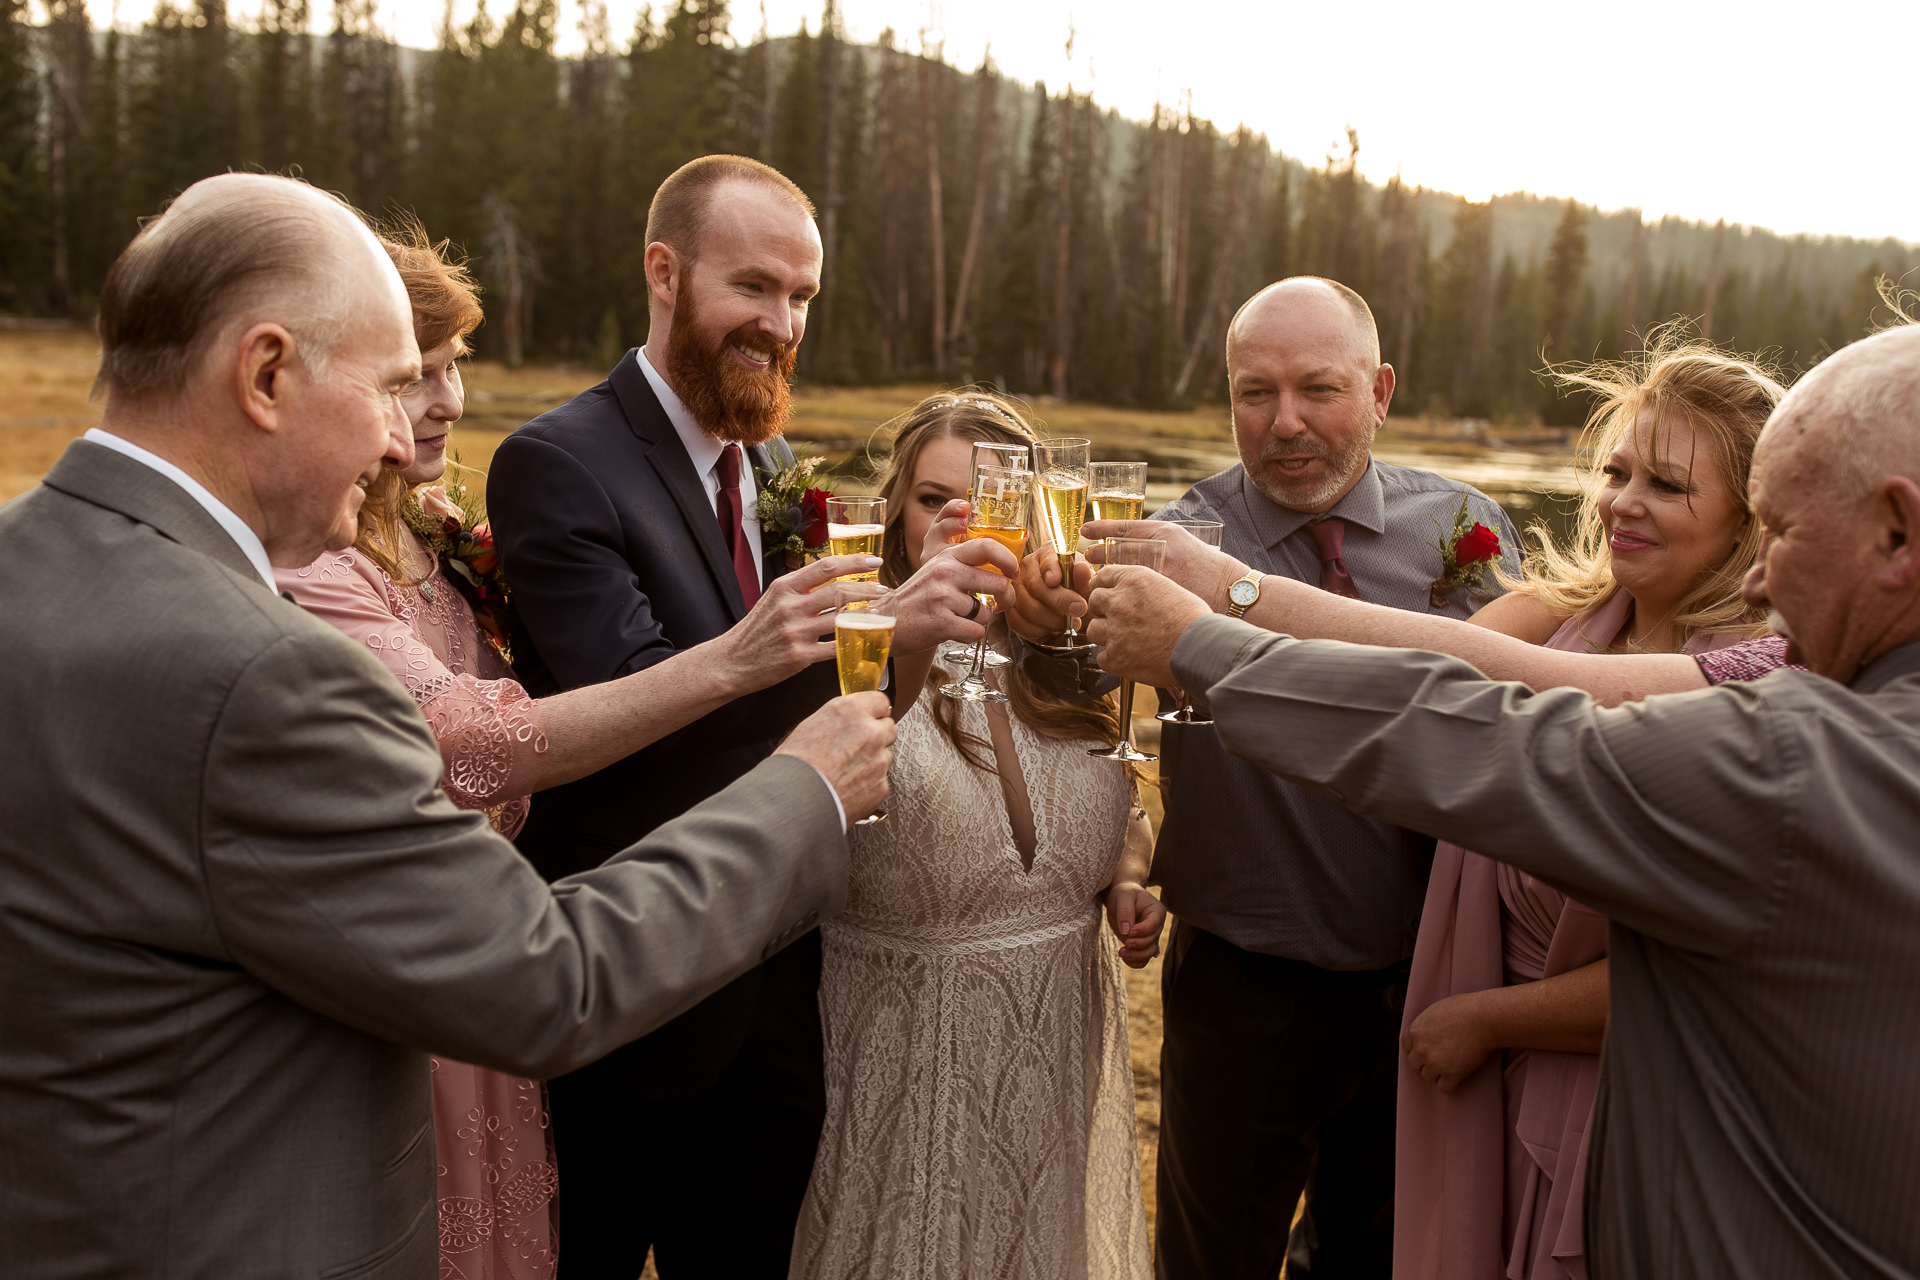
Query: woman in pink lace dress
<point x="415" y="610"/>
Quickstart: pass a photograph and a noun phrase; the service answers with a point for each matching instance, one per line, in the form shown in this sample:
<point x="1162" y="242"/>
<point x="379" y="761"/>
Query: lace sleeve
<point x="1748" y="660"/>
<point x="489" y="731"/>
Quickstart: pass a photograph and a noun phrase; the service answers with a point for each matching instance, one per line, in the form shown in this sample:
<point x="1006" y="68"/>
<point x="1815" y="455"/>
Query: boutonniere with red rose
<point x="791" y="508"/>
<point x="450" y="521"/>
<point x="1467" y="554"/>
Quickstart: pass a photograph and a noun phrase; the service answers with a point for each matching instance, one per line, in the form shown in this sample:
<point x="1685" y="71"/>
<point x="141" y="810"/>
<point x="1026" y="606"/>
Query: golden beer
<point x="855" y="540"/>
<point x="1119" y="506"/>
<point x="1063" y="508"/>
<point x="861" y="643"/>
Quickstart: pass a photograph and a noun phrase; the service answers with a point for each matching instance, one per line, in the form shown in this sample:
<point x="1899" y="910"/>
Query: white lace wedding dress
<point x="979" y="1094"/>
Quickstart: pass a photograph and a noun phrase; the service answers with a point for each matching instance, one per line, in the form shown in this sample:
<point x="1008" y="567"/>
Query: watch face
<point x="1243" y="593"/>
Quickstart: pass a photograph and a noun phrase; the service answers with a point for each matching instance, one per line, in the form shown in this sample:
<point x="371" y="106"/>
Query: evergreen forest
<point x="976" y="228"/>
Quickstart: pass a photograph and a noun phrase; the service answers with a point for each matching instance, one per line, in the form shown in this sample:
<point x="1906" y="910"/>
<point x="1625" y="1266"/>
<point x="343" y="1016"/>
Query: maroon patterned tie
<point x="729" y="512"/>
<point x="1330" y="533"/>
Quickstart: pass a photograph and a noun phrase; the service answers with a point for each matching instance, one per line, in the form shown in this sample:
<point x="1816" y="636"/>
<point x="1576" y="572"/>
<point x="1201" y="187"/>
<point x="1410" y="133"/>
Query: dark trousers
<point x="1275" y="1077"/>
<point x="712" y="1181"/>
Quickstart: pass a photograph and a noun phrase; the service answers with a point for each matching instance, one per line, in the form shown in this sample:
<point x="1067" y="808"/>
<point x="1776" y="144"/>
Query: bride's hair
<point x="972" y="413"/>
<point x="446" y="304"/>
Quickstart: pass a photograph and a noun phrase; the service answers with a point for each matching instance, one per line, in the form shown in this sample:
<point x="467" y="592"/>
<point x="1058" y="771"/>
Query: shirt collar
<point x="703" y="450"/>
<point x="242" y="534"/>
<point x="1365" y="505"/>
<point x="1888" y="667"/>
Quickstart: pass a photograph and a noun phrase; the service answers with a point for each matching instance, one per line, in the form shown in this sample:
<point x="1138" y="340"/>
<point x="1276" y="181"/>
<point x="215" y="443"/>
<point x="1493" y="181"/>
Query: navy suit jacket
<point x="614" y="557"/>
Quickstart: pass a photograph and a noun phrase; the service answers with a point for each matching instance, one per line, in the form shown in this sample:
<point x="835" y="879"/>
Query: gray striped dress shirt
<point x="1258" y="861"/>
<point x="1757" y="848"/>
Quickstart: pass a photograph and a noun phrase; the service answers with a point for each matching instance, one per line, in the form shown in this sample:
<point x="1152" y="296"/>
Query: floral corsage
<point x="1466" y="556"/>
<point x="792" y="511"/>
<point x="450" y="522"/>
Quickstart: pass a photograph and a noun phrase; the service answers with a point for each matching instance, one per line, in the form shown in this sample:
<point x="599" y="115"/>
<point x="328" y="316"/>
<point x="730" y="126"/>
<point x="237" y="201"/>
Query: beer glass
<point x="1119" y="490"/>
<point x="861" y="643"/>
<point x="1208" y="531"/>
<point x="986" y="453"/>
<point x="997" y="505"/>
<point x="854" y="528"/>
<point x="1060" y="508"/>
<point x="1152" y="553"/>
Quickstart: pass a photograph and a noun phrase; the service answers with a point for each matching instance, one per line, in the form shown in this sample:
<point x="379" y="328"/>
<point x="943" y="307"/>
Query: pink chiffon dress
<point x="1489" y="1179"/>
<point x="492" y="1135"/>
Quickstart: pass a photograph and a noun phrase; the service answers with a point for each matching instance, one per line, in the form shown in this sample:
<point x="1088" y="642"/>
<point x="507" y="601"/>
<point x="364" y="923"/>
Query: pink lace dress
<point x="491" y="1130"/>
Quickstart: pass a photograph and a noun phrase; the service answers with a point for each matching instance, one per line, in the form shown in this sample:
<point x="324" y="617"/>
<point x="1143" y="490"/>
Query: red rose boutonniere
<point x="792" y="511"/>
<point x="453" y="527"/>
<point x="1466" y="554"/>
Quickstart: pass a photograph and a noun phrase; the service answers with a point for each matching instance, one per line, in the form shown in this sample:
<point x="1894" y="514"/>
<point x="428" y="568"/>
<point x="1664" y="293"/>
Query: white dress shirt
<point x="704" y="450"/>
<point x="243" y="536"/>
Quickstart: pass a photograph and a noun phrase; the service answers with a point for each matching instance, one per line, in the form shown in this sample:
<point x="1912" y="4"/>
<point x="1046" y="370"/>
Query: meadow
<point x="45" y="375"/>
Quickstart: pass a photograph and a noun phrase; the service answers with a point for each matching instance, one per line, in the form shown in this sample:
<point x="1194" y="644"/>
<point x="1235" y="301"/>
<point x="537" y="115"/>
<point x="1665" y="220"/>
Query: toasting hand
<point x="850" y="741"/>
<point x="1139" y="616"/>
<point x="781" y="634"/>
<point x="1204" y="570"/>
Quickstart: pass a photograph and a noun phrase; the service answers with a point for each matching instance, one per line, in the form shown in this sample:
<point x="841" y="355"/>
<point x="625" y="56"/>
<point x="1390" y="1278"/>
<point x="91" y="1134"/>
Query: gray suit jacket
<point x="236" y="911"/>
<point x="1755" y="848"/>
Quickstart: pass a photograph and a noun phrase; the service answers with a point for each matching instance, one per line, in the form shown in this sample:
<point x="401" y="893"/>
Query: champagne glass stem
<point x="978" y="673"/>
<point x="1126" y="715"/>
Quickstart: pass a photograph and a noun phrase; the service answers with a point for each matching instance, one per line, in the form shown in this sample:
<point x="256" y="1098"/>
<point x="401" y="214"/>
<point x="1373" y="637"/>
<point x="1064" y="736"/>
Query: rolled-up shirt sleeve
<point x="1676" y="816"/>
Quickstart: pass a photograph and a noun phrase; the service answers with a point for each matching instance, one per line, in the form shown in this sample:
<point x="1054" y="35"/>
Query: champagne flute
<point x="1119" y="490"/>
<point x="861" y="643"/>
<point x="997" y="509"/>
<point x="1060" y="506"/>
<point x="1150" y="552"/>
<point x="986" y="453"/>
<point x="854" y="528"/>
<point x="1208" y="531"/>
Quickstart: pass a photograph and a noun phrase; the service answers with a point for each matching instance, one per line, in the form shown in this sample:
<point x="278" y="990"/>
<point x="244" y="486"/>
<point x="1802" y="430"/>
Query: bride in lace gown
<point x="398" y="593"/>
<point x="979" y="1091"/>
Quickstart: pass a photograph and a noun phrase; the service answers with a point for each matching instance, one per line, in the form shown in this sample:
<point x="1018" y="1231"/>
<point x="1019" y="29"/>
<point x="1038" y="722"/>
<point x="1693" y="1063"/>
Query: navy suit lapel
<point x="669" y="460"/>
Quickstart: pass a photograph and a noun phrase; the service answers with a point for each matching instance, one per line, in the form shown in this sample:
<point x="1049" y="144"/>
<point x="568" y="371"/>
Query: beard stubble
<point x="745" y="406"/>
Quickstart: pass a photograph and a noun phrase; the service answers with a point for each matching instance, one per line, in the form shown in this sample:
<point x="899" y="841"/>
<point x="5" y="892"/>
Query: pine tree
<point x="25" y="200"/>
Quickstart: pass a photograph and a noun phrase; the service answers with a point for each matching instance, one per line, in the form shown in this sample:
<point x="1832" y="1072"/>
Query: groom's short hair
<point x="678" y="215"/>
<point x="224" y="243"/>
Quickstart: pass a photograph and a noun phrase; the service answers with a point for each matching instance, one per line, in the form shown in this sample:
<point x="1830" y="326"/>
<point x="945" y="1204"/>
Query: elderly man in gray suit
<point x="1757" y="847"/>
<point x="236" y="910"/>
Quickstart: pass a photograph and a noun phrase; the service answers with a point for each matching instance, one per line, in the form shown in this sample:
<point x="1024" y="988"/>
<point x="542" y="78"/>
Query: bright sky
<point x="1793" y="116"/>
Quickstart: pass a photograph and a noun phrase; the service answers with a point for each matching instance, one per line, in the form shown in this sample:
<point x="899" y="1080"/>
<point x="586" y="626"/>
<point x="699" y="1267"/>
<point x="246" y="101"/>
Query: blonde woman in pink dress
<point x="408" y="589"/>
<point x="1507" y="1000"/>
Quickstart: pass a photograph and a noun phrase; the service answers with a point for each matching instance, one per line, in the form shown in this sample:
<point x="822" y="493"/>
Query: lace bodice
<point x="979" y="1090"/>
<point x="489" y="730"/>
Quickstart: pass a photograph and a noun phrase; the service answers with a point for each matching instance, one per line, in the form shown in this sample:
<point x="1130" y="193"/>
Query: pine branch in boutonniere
<point x="791" y="508"/>
<point x="453" y="524"/>
<point x="1467" y="554"/>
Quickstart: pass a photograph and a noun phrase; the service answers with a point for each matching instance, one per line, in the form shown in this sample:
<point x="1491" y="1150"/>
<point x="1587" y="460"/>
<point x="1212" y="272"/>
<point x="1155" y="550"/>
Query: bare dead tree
<point x="931" y="64"/>
<point x="513" y="266"/>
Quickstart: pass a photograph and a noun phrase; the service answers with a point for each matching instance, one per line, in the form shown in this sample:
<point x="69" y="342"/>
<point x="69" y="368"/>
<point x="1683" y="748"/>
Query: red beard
<point x="730" y="403"/>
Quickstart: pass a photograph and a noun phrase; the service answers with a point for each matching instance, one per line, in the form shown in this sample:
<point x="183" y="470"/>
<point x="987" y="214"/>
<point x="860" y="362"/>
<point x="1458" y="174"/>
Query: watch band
<point x="1235" y="608"/>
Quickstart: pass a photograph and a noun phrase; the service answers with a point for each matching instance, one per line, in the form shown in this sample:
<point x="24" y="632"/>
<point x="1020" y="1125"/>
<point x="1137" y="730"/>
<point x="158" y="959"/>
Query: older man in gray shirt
<point x="1295" y="918"/>
<point x="1754" y="845"/>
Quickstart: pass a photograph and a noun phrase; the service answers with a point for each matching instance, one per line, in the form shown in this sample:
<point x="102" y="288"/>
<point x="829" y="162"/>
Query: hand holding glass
<point x="861" y="643"/>
<point x="1208" y="531"/>
<point x="986" y="453"/>
<point x="1151" y="553"/>
<point x="998" y="501"/>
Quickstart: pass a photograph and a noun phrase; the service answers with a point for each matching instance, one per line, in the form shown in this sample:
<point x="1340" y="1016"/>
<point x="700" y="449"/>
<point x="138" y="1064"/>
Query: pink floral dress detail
<point x="492" y="1135"/>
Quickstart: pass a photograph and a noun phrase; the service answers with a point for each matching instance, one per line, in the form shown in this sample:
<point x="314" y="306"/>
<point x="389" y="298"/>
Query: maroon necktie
<point x="1330" y="533"/>
<point x="731" y="533"/>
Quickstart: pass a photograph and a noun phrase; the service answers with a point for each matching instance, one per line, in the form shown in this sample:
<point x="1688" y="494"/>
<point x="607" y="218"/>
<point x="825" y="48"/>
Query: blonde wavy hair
<point x="446" y="304"/>
<point x="975" y="414"/>
<point x="1724" y="398"/>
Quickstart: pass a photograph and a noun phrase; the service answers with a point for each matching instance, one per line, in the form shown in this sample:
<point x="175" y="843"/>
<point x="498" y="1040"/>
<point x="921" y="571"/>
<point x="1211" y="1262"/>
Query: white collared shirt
<point x="237" y="529"/>
<point x="704" y="450"/>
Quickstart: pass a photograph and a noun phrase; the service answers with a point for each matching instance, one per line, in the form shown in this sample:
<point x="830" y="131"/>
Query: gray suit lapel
<point x="93" y="473"/>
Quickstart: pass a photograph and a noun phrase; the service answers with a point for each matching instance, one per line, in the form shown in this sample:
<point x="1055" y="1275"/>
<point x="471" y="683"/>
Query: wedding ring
<point x="975" y="611"/>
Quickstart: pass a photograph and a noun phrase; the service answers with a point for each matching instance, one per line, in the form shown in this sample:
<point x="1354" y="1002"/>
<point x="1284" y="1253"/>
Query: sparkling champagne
<point x="1063" y="508"/>
<point x="1012" y="537"/>
<point x="861" y="643"/>
<point x="1119" y="506"/>
<point x="855" y="540"/>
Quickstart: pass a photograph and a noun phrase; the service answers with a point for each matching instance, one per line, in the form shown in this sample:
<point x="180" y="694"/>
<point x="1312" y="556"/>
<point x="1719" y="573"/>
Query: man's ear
<point x="1383" y="384"/>
<point x="1897" y="512"/>
<point x="263" y="355"/>
<point x="664" y="272"/>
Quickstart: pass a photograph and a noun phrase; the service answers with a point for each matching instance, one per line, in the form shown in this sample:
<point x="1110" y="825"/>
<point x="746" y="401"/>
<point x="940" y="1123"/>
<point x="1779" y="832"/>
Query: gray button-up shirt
<point x="1260" y="862"/>
<point x="1757" y="848"/>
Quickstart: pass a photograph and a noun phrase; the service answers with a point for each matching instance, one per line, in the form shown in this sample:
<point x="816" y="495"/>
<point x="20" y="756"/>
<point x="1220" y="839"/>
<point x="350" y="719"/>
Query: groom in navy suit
<point x="626" y="522"/>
